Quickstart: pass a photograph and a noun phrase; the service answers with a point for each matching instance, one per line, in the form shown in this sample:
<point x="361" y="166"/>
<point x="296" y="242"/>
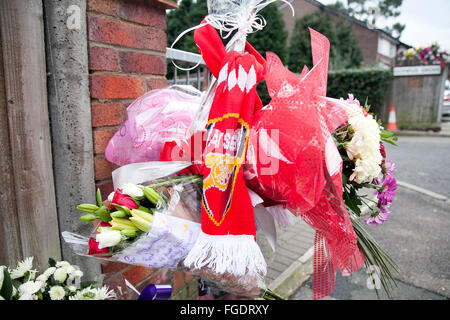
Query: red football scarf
<point x="227" y="242"/>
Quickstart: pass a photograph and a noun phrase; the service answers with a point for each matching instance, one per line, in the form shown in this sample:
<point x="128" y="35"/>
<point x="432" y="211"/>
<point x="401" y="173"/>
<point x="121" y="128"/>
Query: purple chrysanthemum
<point x="389" y="166"/>
<point x="385" y="197"/>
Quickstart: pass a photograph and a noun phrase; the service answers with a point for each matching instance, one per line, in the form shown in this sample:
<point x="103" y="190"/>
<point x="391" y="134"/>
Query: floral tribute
<point x="191" y="205"/>
<point x="60" y="281"/>
<point x="424" y="55"/>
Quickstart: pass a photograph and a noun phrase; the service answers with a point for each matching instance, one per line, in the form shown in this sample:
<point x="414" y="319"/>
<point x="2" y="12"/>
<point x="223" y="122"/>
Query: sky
<point x="426" y="21"/>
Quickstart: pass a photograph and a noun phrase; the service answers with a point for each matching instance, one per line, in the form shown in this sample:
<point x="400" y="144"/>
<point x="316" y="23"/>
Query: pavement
<point x="416" y="236"/>
<point x="444" y="132"/>
<point x="290" y="265"/>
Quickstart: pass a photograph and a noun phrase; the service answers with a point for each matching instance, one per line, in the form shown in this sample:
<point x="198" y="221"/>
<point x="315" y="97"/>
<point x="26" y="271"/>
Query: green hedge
<point x="367" y="83"/>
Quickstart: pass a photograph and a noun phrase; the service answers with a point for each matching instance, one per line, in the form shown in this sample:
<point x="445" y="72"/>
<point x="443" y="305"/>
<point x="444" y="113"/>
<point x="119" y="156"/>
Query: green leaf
<point x="385" y="134"/>
<point x="86" y="284"/>
<point x="103" y="214"/>
<point x="99" y="197"/>
<point x="51" y="262"/>
<point x="389" y="141"/>
<point x="7" y="288"/>
<point x="122" y="208"/>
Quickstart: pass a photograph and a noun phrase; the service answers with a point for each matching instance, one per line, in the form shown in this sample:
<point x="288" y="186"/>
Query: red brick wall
<point x="127" y="43"/>
<point x="301" y="8"/>
<point x="367" y="39"/>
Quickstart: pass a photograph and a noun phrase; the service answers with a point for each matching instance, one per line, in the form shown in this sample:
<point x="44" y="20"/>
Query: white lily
<point x="132" y="190"/>
<point x="108" y="238"/>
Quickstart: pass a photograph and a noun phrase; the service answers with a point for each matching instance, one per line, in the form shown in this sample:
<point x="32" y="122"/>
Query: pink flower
<point x="385" y="196"/>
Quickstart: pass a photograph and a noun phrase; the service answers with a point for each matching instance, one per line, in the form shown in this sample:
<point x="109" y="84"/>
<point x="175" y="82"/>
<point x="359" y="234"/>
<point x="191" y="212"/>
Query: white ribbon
<point x="246" y="21"/>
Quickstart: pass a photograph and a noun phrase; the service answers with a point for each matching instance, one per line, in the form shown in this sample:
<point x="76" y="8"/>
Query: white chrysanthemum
<point x="60" y="274"/>
<point x="57" y="293"/>
<point x="49" y="271"/>
<point x="108" y="238"/>
<point x="77" y="273"/>
<point x="364" y="148"/>
<point x="85" y="294"/>
<point x="29" y="288"/>
<point x="42" y="278"/>
<point x="72" y="288"/>
<point x="22" y="268"/>
<point x="70" y="269"/>
<point x="103" y="293"/>
<point x="1" y="275"/>
<point x="60" y="264"/>
<point x="132" y="190"/>
<point x="94" y="294"/>
<point x="27" y="296"/>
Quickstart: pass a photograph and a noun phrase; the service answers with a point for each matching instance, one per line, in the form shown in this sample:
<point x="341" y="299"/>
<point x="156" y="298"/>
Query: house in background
<point x="378" y="47"/>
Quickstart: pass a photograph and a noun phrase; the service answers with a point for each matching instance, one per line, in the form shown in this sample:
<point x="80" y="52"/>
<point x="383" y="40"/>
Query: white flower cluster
<point x="364" y="147"/>
<point x="59" y="282"/>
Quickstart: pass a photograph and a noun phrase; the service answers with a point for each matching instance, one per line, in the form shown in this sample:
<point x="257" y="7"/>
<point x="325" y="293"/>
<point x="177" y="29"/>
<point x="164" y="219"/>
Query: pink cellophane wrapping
<point x="295" y="128"/>
<point x="156" y="117"/>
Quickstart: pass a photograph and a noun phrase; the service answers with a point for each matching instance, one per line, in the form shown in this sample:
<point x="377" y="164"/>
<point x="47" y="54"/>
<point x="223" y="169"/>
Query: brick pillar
<point x="127" y="44"/>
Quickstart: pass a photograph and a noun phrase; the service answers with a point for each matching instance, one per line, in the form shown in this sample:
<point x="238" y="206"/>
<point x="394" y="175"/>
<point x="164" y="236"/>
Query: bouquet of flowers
<point x="324" y="150"/>
<point x="61" y="281"/>
<point x="424" y="55"/>
<point x="152" y="224"/>
<point x="360" y="142"/>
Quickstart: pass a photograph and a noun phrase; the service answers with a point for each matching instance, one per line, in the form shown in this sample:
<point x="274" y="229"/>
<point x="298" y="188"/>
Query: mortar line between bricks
<point x="93" y="43"/>
<point x="145" y="76"/>
<point x="103" y="180"/>
<point x="112" y="127"/>
<point x="145" y="279"/>
<point x="121" y="20"/>
<point x="122" y="270"/>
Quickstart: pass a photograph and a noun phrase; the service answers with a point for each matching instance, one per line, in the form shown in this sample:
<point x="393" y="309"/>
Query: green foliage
<point x="344" y="51"/>
<point x="273" y="38"/>
<point x="367" y="83"/>
<point x="370" y="11"/>
<point x="6" y="289"/>
<point x="188" y="14"/>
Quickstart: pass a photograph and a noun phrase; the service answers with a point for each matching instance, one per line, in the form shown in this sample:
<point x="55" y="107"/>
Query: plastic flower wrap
<point x="158" y="116"/>
<point x="154" y="224"/>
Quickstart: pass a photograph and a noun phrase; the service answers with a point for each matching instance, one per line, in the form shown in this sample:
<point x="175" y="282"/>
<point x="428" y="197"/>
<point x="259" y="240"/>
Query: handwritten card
<point x="164" y="246"/>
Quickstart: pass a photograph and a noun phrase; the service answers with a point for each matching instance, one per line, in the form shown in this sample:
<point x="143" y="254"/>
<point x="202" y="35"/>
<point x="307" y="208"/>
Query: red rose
<point x="104" y="224"/>
<point x="93" y="247"/>
<point x="123" y="200"/>
<point x="382" y="150"/>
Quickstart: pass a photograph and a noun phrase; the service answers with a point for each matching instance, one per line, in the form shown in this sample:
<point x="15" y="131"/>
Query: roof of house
<point x="347" y="17"/>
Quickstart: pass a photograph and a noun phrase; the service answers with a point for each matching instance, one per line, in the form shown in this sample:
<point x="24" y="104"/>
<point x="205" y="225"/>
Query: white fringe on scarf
<point x="235" y="254"/>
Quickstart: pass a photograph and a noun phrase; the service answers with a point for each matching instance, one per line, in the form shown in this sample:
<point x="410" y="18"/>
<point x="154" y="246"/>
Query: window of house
<point x="386" y="47"/>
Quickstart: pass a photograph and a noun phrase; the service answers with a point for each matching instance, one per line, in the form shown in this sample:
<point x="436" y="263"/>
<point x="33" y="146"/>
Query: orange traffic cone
<point x="392" y="122"/>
